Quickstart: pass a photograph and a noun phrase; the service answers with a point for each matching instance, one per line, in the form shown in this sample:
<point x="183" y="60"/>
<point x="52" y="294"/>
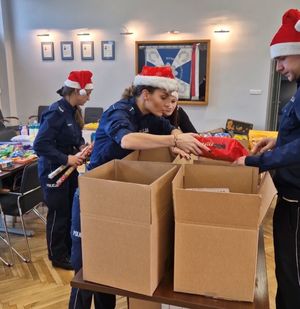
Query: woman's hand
<point x="264" y="145"/>
<point x="177" y="151"/>
<point x="189" y="144"/>
<point x="240" y="161"/>
<point x="75" y="160"/>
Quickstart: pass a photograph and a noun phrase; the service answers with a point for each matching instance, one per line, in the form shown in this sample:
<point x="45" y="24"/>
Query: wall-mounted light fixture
<point x="125" y="31"/>
<point x="43" y="34"/>
<point x="221" y="31"/>
<point x="174" y="31"/>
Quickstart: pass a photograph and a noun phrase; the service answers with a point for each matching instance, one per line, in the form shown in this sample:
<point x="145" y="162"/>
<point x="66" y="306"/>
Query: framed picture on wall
<point x="108" y="50"/>
<point x="87" y="50"/>
<point x="47" y="50"/>
<point x="67" y="51"/>
<point x="189" y="60"/>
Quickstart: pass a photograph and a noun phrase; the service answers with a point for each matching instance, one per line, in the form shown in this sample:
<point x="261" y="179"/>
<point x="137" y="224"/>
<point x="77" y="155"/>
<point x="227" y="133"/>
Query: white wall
<point x="238" y="63"/>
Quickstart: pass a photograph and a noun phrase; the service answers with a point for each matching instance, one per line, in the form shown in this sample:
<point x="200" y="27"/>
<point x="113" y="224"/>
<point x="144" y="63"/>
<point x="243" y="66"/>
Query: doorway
<point x="281" y="91"/>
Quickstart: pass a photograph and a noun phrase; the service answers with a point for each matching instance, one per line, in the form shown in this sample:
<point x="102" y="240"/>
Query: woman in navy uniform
<point x="283" y="155"/>
<point x="135" y="122"/>
<point x="58" y="140"/>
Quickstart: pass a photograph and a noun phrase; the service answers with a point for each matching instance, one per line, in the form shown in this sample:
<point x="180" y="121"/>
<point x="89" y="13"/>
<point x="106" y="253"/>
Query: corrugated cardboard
<point x="200" y="160"/>
<point x="155" y="155"/>
<point x="142" y="304"/>
<point x="216" y="234"/>
<point x="126" y="223"/>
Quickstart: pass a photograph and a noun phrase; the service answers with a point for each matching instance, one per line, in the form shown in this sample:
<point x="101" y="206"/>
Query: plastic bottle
<point x="24" y="130"/>
<point x="31" y="129"/>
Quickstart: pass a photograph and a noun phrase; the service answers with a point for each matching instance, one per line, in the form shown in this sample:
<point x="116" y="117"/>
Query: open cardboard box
<point x="156" y="155"/>
<point x="216" y="234"/>
<point x="127" y="223"/>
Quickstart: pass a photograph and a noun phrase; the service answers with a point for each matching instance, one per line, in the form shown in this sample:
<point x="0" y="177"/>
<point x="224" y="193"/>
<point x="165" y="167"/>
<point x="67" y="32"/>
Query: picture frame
<point x="47" y="49"/>
<point x="108" y="50"/>
<point x="190" y="62"/>
<point x="67" y="50"/>
<point x="87" y="50"/>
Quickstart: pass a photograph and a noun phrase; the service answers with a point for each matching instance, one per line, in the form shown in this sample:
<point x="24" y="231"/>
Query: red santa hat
<point x="80" y="80"/>
<point x="158" y="77"/>
<point x="286" y="41"/>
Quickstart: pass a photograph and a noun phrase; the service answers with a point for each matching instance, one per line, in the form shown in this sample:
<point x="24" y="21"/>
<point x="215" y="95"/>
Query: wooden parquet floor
<point x="38" y="285"/>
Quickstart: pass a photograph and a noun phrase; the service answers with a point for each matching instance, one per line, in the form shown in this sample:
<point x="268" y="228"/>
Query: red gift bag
<point x="222" y="148"/>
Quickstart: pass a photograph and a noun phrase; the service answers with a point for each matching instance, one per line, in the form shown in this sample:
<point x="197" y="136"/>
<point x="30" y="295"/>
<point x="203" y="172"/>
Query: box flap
<point x="122" y="189"/>
<point x="267" y="191"/>
<point x="212" y="176"/>
<point x="154" y="155"/>
<point x="217" y="209"/>
<point x="161" y="194"/>
<point x="240" y="208"/>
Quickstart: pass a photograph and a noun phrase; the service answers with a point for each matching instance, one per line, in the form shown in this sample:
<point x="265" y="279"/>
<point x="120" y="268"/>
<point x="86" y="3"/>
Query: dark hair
<point x="173" y="118"/>
<point x="133" y="91"/>
<point x="67" y="91"/>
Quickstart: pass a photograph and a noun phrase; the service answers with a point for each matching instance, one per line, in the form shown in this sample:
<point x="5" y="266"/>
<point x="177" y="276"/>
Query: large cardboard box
<point x="143" y="304"/>
<point x="127" y="223"/>
<point x="216" y="234"/>
<point x="156" y="155"/>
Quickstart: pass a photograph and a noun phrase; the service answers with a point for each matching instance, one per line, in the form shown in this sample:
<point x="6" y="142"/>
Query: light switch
<point x="255" y="91"/>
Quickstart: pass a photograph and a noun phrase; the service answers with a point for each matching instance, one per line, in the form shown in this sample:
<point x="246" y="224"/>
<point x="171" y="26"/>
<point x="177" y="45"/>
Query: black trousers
<point x="286" y="231"/>
<point x="82" y="299"/>
<point x="59" y="202"/>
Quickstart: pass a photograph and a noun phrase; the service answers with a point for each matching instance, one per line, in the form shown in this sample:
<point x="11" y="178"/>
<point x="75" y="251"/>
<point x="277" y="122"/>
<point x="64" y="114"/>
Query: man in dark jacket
<point x="283" y="156"/>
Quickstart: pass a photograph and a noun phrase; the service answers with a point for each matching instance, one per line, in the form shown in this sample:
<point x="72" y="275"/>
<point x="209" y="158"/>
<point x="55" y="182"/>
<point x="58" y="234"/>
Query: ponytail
<point x="79" y="117"/>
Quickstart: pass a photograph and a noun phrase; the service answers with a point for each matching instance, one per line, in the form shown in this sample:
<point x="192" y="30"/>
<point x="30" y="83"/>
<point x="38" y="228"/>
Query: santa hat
<point x="80" y="80"/>
<point x="286" y="41"/>
<point x="158" y="77"/>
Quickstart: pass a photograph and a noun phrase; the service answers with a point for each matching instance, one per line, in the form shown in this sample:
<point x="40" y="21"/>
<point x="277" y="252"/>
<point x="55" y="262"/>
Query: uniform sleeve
<point x="45" y="141"/>
<point x="167" y="127"/>
<point x="286" y="155"/>
<point x="118" y="124"/>
<point x="185" y="123"/>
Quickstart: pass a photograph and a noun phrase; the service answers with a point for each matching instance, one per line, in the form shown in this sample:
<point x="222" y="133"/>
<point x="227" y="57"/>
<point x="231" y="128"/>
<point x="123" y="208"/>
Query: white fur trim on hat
<point x="76" y="85"/>
<point x="71" y="84"/>
<point x="166" y="83"/>
<point x="297" y="26"/>
<point x="285" y="49"/>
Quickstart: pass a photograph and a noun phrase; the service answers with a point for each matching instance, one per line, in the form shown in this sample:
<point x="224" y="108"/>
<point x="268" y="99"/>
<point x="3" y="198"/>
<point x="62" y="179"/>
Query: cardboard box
<point x="200" y="160"/>
<point x="143" y="304"/>
<point x="127" y="223"/>
<point x="155" y="155"/>
<point x="216" y="234"/>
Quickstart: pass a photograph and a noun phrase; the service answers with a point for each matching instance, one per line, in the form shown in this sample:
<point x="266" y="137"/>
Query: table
<point x="8" y="172"/>
<point x="164" y="293"/>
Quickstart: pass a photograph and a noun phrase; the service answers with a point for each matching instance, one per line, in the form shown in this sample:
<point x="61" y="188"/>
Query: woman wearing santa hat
<point x="133" y="123"/>
<point x="283" y="155"/>
<point x="58" y="140"/>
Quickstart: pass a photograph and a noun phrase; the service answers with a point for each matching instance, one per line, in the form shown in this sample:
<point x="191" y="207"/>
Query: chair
<point x="22" y="202"/>
<point x="92" y="114"/>
<point x="38" y="117"/>
<point x="4" y="122"/>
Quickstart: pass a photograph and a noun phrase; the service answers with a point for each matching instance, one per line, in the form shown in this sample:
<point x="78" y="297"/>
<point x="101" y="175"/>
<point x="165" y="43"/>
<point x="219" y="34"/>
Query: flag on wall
<point x="180" y="59"/>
